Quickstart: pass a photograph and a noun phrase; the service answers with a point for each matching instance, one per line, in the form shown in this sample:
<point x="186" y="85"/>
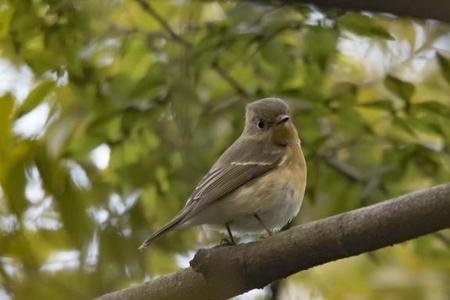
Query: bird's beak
<point x="282" y="118"/>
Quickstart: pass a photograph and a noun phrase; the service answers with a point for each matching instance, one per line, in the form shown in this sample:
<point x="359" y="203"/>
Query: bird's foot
<point x="226" y="242"/>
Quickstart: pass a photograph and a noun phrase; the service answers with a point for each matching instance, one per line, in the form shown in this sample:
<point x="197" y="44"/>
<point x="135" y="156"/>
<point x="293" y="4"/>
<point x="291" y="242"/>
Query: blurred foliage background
<point x="111" y="111"/>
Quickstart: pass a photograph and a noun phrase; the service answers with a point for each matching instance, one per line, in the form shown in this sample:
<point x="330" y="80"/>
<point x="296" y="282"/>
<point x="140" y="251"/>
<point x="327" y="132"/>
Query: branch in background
<point x="430" y="9"/>
<point x="179" y="39"/>
<point x="231" y="81"/>
<point x="224" y="272"/>
<point x="370" y="181"/>
<point x="345" y="169"/>
<point x="271" y="35"/>
<point x="275" y="289"/>
<point x="444" y="239"/>
<point x="151" y="11"/>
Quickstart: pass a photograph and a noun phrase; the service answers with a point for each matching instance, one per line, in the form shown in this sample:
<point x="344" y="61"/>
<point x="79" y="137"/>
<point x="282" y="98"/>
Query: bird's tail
<point x="177" y="220"/>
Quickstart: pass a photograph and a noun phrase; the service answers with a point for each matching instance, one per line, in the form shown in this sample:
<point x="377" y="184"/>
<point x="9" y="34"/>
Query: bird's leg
<point x="232" y="242"/>
<point x="269" y="232"/>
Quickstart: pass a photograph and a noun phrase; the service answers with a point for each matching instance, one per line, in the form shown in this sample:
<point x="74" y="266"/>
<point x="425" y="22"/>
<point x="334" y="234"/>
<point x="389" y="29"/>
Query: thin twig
<point x="151" y="11"/>
<point x="179" y="39"/>
<point x="267" y="38"/>
<point x="345" y="169"/>
<point x="275" y="288"/>
<point x="229" y="79"/>
<point x="444" y="239"/>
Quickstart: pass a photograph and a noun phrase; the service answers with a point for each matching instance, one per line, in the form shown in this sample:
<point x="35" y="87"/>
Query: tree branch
<point x="346" y="170"/>
<point x="430" y="9"/>
<point x="151" y="11"/>
<point x="223" y="272"/>
<point x="145" y="5"/>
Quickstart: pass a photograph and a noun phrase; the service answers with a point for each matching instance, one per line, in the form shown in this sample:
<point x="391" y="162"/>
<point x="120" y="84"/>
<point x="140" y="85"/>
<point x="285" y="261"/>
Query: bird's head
<point x="269" y="119"/>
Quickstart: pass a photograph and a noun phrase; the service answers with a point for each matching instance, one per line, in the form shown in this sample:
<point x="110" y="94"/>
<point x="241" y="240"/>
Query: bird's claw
<point x="226" y="242"/>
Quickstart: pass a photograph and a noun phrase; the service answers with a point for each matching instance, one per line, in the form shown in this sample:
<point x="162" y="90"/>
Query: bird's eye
<point x="261" y="124"/>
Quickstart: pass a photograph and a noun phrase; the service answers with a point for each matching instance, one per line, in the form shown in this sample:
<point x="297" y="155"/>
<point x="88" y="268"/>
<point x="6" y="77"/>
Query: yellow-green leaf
<point x="379" y="104"/>
<point x="36" y="96"/>
<point x="402" y="89"/>
<point x="363" y="25"/>
<point x="6" y="107"/>
<point x="444" y="64"/>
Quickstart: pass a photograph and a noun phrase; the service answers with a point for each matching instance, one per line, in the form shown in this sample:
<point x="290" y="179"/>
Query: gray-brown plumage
<point x="257" y="183"/>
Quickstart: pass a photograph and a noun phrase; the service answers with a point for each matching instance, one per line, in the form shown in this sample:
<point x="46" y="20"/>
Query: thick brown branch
<point x="430" y="9"/>
<point x="223" y="272"/>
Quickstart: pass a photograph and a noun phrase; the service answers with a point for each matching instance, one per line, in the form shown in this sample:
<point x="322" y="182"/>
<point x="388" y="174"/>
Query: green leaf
<point x="403" y="124"/>
<point x="13" y="185"/>
<point x="344" y="93"/>
<point x="444" y="63"/>
<point x="379" y="104"/>
<point x="320" y="49"/>
<point x="402" y="89"/>
<point x="434" y="107"/>
<point x="363" y="25"/>
<point x="67" y="198"/>
<point x="36" y="96"/>
<point x="428" y="125"/>
<point x="12" y="175"/>
<point x="320" y="46"/>
<point x="6" y="108"/>
<point x="6" y="13"/>
<point x="275" y="53"/>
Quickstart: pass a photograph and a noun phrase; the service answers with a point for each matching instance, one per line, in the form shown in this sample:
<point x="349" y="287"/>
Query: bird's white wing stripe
<point x="251" y="163"/>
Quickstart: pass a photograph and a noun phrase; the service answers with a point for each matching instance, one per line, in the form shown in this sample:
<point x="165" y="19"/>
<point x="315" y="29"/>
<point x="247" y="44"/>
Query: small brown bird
<point x="257" y="184"/>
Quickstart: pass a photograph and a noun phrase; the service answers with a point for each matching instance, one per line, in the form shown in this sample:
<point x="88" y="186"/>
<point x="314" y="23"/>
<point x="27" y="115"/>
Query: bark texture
<point x="430" y="9"/>
<point x="224" y="272"/>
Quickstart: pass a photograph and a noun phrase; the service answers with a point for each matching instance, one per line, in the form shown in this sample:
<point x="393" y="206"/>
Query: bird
<point x="258" y="183"/>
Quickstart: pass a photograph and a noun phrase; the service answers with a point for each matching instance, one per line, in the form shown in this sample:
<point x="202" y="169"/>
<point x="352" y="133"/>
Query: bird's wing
<point x="245" y="160"/>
